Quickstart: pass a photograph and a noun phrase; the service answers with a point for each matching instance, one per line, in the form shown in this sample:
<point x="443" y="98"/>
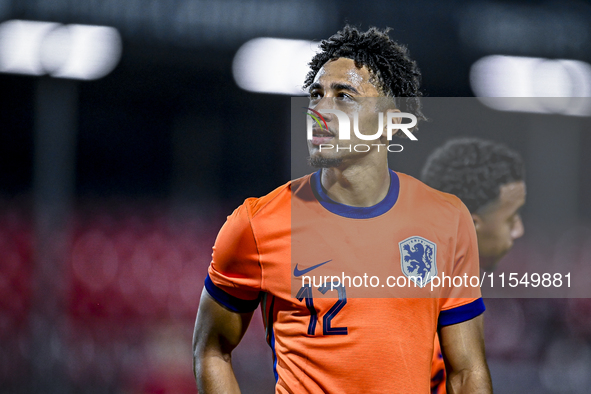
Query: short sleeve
<point x="464" y="302"/>
<point x="234" y="275"/>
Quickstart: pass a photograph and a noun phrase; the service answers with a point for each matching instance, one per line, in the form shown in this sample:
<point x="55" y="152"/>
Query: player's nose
<point x="518" y="229"/>
<point x="325" y="103"/>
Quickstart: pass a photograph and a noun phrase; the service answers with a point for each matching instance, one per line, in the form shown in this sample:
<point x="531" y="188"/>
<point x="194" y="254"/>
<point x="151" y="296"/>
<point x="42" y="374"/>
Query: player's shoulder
<point x="425" y="194"/>
<point x="278" y="200"/>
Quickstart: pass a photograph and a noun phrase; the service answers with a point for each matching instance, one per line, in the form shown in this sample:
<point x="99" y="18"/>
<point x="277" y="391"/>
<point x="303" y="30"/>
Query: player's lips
<point x="321" y="136"/>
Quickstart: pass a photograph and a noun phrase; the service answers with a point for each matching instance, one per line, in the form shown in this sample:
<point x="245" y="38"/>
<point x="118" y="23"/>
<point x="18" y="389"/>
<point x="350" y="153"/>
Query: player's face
<point x="341" y="85"/>
<point x="500" y="224"/>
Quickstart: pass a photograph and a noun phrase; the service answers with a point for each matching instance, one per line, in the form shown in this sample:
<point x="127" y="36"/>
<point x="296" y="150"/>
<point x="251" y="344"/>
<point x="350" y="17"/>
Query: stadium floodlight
<point x="20" y="42"/>
<point x="549" y="85"/>
<point x="71" y="51"/>
<point x="273" y="65"/>
<point x="92" y="51"/>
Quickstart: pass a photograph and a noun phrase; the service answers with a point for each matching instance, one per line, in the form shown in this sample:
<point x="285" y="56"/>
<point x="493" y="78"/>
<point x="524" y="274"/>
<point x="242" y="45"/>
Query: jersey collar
<point x="356" y="212"/>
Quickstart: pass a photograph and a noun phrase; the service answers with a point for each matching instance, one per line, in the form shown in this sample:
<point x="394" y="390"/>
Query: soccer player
<point x="354" y="210"/>
<point x="489" y="178"/>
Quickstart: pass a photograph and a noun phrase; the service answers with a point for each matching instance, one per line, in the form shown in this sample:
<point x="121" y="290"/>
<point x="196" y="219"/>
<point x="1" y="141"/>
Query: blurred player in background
<point x="346" y="345"/>
<point x="489" y="178"/>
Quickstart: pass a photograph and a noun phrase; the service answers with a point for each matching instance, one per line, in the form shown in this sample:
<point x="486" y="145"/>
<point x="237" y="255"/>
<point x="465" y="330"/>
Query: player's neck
<point x="357" y="185"/>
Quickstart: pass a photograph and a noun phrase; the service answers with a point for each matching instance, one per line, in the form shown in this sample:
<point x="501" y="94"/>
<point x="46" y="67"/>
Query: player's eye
<point x="344" y="97"/>
<point x="315" y="95"/>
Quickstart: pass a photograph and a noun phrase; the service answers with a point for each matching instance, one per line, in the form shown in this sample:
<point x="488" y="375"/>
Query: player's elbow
<point x="473" y="379"/>
<point x="212" y="367"/>
<point x="204" y="350"/>
<point x="210" y="350"/>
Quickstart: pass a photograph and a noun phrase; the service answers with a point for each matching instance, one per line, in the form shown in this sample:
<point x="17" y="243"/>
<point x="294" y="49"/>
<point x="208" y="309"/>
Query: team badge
<point x="417" y="258"/>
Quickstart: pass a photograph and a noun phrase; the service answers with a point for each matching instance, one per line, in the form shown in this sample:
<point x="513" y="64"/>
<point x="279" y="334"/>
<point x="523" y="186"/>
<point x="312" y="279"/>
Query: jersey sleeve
<point x="234" y="275"/>
<point x="462" y="303"/>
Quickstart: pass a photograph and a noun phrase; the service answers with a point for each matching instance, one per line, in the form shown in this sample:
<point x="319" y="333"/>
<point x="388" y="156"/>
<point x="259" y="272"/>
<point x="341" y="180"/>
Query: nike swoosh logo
<point x="297" y="272"/>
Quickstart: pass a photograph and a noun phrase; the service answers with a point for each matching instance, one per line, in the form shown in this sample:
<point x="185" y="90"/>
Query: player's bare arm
<point x="462" y="346"/>
<point x="217" y="332"/>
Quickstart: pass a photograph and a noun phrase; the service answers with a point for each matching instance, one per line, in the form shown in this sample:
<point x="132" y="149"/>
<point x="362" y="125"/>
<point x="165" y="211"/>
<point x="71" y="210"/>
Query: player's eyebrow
<point x="343" y="86"/>
<point x="314" y="86"/>
<point x="335" y="86"/>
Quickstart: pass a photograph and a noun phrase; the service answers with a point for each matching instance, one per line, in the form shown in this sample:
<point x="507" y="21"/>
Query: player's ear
<point x="477" y="221"/>
<point x="394" y="120"/>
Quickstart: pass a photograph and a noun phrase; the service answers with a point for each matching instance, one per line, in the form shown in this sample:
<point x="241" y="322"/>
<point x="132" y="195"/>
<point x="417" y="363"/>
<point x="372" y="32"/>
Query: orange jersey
<point x="347" y="344"/>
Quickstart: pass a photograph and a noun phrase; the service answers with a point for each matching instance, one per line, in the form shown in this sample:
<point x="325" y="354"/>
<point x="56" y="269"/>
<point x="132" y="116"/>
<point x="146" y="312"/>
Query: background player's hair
<point x="394" y="72"/>
<point x="473" y="169"/>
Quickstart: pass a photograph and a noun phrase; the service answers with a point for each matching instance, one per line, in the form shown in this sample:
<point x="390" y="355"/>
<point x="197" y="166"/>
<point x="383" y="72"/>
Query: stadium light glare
<point x="551" y="85"/>
<point x="94" y="52"/>
<point x="20" y="42"/>
<point x="273" y="65"/>
<point x="71" y="51"/>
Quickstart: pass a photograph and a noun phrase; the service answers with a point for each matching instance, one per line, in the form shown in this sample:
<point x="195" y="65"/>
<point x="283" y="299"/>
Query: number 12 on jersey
<point x="305" y="292"/>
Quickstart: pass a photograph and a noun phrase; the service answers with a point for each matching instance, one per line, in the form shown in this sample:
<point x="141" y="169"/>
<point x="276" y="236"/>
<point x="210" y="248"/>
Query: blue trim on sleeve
<point x="461" y="313"/>
<point x="229" y="301"/>
<point x="356" y="212"/>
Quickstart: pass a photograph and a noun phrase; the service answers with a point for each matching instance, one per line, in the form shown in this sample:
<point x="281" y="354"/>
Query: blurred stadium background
<point x="129" y="129"/>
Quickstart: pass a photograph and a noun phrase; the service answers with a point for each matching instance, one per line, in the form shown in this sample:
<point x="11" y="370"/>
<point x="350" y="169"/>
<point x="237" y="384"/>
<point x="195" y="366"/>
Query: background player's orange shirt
<point x="343" y="344"/>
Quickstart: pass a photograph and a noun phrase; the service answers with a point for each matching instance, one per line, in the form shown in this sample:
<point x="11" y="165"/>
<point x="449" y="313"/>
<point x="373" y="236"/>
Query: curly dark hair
<point x="473" y="169"/>
<point x="395" y="74"/>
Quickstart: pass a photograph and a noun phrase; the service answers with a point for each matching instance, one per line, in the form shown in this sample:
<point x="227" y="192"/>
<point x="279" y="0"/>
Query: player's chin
<point x="490" y="263"/>
<point x="323" y="161"/>
<point x="319" y="151"/>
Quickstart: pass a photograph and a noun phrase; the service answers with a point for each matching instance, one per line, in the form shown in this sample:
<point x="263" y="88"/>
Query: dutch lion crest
<point x="417" y="259"/>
